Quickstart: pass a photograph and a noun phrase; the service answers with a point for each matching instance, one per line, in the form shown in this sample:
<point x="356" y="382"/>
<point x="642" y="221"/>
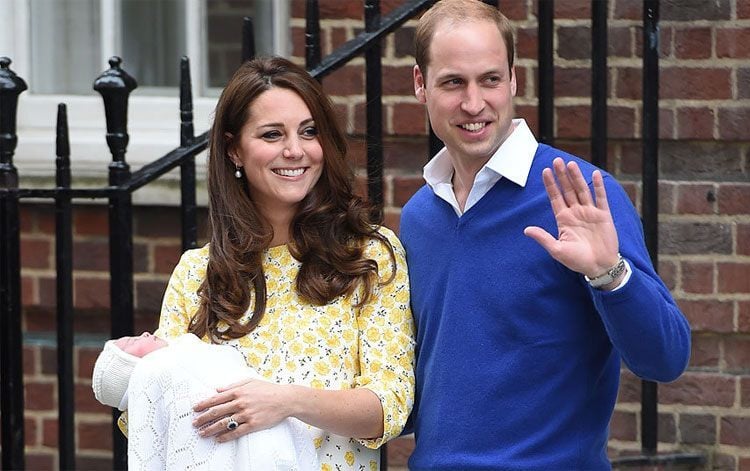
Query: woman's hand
<point x="254" y="405"/>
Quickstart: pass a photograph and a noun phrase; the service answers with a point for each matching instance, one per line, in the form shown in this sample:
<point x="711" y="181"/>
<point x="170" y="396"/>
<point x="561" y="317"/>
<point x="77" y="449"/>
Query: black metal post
<point x="650" y="202"/>
<point x="546" y="71"/>
<point x="11" y="344"/>
<point x="312" y="34"/>
<point x="599" y="10"/>
<point x="115" y="86"/>
<point x="64" y="266"/>
<point x="248" y="39"/>
<point x="374" y="106"/>
<point x="187" y="167"/>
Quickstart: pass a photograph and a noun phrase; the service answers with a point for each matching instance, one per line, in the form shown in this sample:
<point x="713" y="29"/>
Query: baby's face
<point x="141" y="345"/>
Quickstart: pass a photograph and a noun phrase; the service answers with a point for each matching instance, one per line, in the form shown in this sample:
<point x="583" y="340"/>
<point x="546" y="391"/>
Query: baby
<point x="158" y="382"/>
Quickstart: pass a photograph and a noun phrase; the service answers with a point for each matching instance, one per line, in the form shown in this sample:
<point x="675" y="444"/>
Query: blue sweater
<point x="518" y="358"/>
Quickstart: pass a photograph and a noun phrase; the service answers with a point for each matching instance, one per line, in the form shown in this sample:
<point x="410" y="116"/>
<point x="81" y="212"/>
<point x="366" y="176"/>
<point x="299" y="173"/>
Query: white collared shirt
<point x="512" y="160"/>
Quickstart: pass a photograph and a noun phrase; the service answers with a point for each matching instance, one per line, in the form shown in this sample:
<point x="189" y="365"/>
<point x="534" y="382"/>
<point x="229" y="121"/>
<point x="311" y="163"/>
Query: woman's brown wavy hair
<point x="327" y="233"/>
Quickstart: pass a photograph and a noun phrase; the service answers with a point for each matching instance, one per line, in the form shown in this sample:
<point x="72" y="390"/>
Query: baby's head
<point x="115" y="364"/>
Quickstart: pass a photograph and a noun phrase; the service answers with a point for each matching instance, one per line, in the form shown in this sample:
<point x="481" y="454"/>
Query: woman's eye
<point x="310" y="131"/>
<point x="272" y="135"/>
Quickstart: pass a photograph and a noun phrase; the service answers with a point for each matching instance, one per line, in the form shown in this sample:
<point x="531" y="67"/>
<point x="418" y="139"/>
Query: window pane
<point x="153" y="40"/>
<point x="65" y="46"/>
<point x="225" y="34"/>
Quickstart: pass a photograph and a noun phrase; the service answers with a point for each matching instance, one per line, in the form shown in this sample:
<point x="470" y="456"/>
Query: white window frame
<point x="153" y="121"/>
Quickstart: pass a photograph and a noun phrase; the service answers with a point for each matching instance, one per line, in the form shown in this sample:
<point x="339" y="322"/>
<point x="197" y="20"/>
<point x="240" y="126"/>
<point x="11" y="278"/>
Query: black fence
<point x="115" y="86"/>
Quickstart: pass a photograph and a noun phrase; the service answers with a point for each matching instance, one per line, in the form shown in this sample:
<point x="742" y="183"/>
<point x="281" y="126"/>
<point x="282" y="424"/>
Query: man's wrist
<point x="611" y="277"/>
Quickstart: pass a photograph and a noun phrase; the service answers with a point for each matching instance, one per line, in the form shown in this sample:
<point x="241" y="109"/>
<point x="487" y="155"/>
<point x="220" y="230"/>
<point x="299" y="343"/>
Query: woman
<point x="299" y="276"/>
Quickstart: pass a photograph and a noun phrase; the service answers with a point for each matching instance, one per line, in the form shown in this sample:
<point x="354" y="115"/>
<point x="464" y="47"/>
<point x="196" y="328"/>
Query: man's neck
<point x="464" y="174"/>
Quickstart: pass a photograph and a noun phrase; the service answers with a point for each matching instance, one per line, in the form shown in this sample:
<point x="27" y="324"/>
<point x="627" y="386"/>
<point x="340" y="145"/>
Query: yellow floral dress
<point x="336" y="346"/>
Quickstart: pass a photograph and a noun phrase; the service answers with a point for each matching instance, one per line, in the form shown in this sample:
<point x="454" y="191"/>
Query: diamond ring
<point x="232" y="424"/>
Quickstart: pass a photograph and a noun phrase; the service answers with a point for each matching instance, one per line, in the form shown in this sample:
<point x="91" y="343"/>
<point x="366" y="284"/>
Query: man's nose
<point x="473" y="101"/>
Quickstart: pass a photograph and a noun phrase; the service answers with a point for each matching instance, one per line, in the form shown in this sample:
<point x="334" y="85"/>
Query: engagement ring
<point x="232" y="424"/>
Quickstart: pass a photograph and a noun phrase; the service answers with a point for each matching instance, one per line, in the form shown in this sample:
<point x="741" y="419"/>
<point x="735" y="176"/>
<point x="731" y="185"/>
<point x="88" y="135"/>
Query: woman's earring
<point x="237" y="172"/>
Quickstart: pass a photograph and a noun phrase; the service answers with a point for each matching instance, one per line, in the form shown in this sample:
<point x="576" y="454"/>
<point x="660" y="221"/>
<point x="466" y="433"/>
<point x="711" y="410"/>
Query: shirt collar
<point x="512" y="159"/>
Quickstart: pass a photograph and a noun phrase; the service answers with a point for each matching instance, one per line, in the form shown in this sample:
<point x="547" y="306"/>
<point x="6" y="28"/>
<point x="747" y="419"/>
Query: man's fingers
<point x="542" y="237"/>
<point x="600" y="192"/>
<point x="563" y="179"/>
<point x="579" y="184"/>
<point x="556" y="199"/>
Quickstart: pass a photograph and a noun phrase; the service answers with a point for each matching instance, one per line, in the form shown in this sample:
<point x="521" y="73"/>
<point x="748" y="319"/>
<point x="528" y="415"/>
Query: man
<point x="520" y="334"/>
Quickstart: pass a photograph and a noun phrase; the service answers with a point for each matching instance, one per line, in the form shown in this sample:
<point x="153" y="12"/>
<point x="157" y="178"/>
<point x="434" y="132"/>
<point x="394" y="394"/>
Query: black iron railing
<point x="115" y="86"/>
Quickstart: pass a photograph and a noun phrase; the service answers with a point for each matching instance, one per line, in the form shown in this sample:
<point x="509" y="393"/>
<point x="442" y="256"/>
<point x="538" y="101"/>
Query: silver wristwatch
<point x="609" y="276"/>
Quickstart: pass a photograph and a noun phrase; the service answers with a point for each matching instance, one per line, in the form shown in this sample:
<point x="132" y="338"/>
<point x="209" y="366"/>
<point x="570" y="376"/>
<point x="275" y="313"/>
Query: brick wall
<point x="704" y="210"/>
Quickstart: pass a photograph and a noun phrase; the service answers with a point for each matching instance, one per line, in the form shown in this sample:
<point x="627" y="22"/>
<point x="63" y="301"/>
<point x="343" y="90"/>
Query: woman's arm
<point x="258" y="405"/>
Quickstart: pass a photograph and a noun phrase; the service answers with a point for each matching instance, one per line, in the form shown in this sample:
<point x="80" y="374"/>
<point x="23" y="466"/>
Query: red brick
<point x="667" y="125"/>
<point x="409" y="119"/>
<point x="166" y="258"/>
<point x="40" y="460"/>
<point x="708" y="316"/>
<point x="573" y="122"/>
<point x="338" y="37"/>
<point x="39" y="396"/>
<point x="398" y="81"/>
<point x="667" y="428"/>
<point x="629" y="83"/>
<point x="705" y="351"/>
<point x="743" y="10"/>
<point x="621" y="122"/>
<point x="94" y="463"/>
<point x="695" y="123"/>
<point x="391" y="219"/>
<point x="668" y="274"/>
<point x="154" y="221"/>
<point x="744" y="463"/>
<point x="84" y="361"/>
<point x="91" y="255"/>
<point x="348" y="80"/>
<point x="696" y="199"/>
<point x="733" y="277"/>
<point x="698" y="277"/>
<point x="573" y="42"/>
<point x="737" y="354"/>
<point x="50" y="432"/>
<point x="572" y="82"/>
<point x="734" y="199"/>
<point x="359" y="122"/>
<point x="91" y="220"/>
<point x="91" y="293"/>
<point x="86" y="402"/>
<point x="628" y="9"/>
<point x="148" y="295"/>
<point x="699" y="389"/>
<point x="733" y="123"/>
<point x="521" y="81"/>
<point x="399" y="450"/>
<point x="745" y="391"/>
<point x="743" y="239"/>
<point x="30" y="434"/>
<point x="733" y="42"/>
<point x="527" y="46"/>
<point x="26" y="213"/>
<point x="405" y="156"/>
<point x="30" y="355"/>
<point x="666" y="39"/>
<point x="630" y="388"/>
<point x="531" y="115"/>
<point x="690" y="83"/>
<point x="47" y="292"/>
<point x="45" y="219"/>
<point x="620" y="41"/>
<point x="404" y="188"/>
<point x="35" y="253"/>
<point x="692" y="43"/>
<point x="735" y="431"/>
<point x="623" y="426"/>
<point x="95" y="435"/>
<point x="743" y="319"/>
<point x="298" y="41"/>
<point x="48" y="357"/>
<point x="667" y="197"/>
<point x="573" y="9"/>
<point x="698" y="428"/>
<point x="28" y="291"/>
<point x="515" y="9"/>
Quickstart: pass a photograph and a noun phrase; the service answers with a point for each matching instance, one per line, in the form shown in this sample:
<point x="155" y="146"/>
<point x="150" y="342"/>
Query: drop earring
<point x="237" y="172"/>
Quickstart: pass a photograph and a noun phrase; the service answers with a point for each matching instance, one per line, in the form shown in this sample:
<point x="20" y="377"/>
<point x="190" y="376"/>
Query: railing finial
<point x="11" y="85"/>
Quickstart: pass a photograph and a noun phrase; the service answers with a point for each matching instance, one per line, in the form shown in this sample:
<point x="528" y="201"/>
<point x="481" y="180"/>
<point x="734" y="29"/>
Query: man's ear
<point x="513" y="81"/>
<point x="419" y="85"/>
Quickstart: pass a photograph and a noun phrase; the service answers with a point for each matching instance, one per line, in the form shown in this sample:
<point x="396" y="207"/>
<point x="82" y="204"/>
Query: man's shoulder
<point x="421" y="197"/>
